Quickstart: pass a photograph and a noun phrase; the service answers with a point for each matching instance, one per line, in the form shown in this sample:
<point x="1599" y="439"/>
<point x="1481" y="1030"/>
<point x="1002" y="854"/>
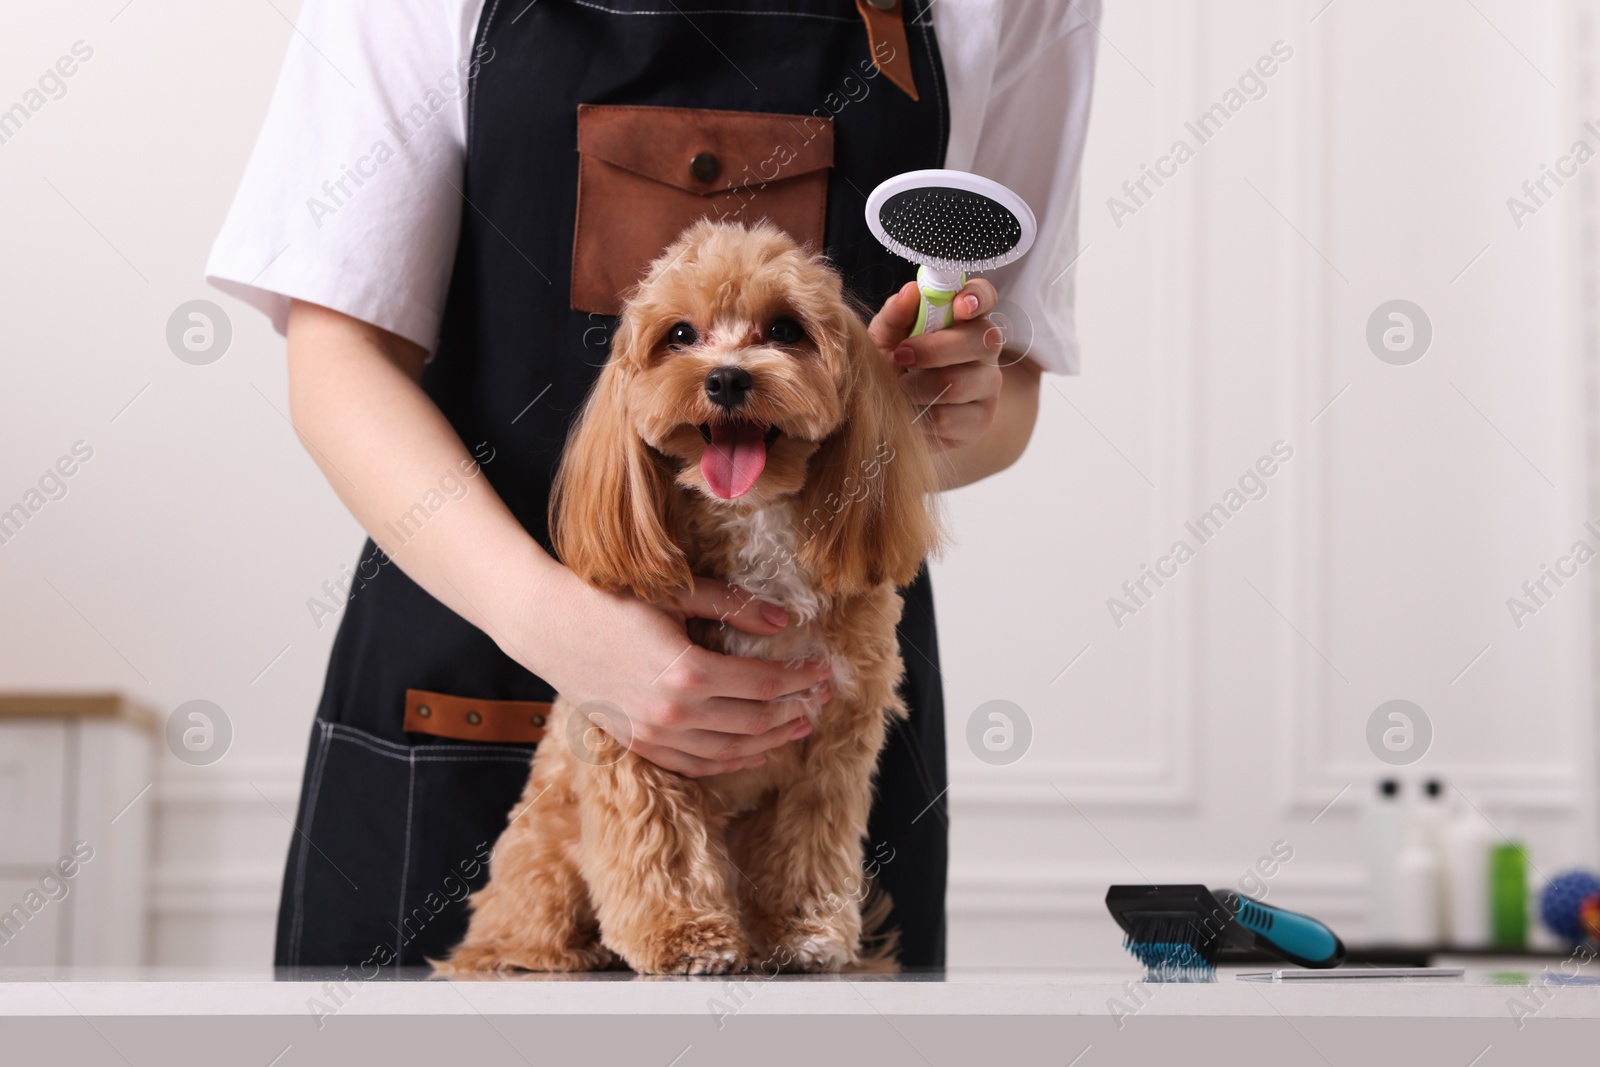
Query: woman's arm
<point x="357" y="404"/>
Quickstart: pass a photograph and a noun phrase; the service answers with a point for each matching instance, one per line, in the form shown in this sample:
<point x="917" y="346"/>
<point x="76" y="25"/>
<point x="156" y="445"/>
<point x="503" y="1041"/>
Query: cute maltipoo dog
<point x="745" y="428"/>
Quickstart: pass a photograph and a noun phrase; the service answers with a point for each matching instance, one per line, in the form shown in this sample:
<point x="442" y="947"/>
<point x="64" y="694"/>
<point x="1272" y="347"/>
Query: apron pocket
<point x="391" y="840"/>
<point x="645" y="174"/>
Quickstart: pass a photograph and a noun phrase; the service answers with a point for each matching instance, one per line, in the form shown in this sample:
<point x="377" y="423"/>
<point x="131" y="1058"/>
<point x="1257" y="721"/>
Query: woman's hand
<point x="976" y="400"/>
<point x="952" y="375"/>
<point x="689" y="709"/>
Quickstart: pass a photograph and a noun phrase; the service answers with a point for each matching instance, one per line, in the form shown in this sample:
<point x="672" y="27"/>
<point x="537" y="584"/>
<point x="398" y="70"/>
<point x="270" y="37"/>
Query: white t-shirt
<point x="346" y="206"/>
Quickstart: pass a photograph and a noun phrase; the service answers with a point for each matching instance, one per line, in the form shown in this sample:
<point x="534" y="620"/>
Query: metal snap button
<point x="473" y="718"/>
<point x="704" y="167"/>
<point x="423" y="711"/>
<point x="537" y="720"/>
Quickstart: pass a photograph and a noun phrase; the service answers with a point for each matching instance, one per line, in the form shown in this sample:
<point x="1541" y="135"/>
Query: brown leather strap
<point x="462" y="719"/>
<point x="886" y="35"/>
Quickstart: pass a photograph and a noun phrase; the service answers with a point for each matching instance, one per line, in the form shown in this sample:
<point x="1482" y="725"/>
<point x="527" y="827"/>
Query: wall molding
<point x="975" y="890"/>
<point x="1492" y="789"/>
<point x="215" y="891"/>
<point x="1049" y="785"/>
<point x="1077" y="893"/>
<point x="229" y="784"/>
<point x="226" y="799"/>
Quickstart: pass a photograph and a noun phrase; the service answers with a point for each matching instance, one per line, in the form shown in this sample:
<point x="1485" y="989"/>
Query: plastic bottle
<point x="1383" y="830"/>
<point x="1508" y="894"/>
<point x="1416" y="891"/>
<point x="1433" y="817"/>
<point x="1431" y="814"/>
<point x="1467" y="841"/>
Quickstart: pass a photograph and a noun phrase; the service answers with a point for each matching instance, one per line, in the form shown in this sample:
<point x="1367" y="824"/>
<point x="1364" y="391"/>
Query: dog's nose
<point x="727" y="387"/>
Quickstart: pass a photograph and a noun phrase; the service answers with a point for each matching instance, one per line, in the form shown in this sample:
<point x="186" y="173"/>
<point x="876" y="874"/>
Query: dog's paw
<point x="484" y="957"/>
<point x="699" y="946"/>
<point x="809" y="944"/>
<point x="812" y="951"/>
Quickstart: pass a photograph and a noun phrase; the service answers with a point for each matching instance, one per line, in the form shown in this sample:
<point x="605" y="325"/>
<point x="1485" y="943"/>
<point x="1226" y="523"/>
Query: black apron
<point x="393" y="828"/>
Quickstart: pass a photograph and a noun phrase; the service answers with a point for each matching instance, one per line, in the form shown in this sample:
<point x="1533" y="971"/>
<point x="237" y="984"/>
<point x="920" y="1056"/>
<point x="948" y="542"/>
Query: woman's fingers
<point x="963" y="383"/>
<point x="973" y="341"/>
<point x="722" y="715"/>
<point x="706" y="713"/>
<point x="725" y="602"/>
<point x="716" y="675"/>
<point x="695" y="691"/>
<point x="698" y="753"/>
<point x="894" y="320"/>
<point x="953" y="425"/>
<point x="973" y="337"/>
<point x="977" y="297"/>
<point x="953" y="377"/>
<point x="720" y="747"/>
<point x="690" y="766"/>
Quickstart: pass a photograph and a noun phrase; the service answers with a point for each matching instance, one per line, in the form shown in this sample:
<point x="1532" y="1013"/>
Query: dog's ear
<point x="610" y="506"/>
<point x="867" y="508"/>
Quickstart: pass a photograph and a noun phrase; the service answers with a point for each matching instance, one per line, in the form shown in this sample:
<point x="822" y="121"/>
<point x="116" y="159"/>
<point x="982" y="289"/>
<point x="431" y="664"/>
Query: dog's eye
<point x="785" y="331"/>
<point x="681" y="335"/>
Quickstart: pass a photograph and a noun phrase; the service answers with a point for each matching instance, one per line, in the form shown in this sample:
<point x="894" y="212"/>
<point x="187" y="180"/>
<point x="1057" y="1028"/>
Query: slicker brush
<point x="948" y="222"/>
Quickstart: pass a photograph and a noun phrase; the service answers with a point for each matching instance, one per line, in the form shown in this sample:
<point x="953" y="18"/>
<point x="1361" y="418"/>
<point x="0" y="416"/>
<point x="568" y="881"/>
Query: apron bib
<point x="393" y="829"/>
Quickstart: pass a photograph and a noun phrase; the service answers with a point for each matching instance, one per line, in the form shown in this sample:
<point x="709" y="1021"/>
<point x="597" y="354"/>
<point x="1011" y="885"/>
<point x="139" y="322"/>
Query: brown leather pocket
<point x="647" y="173"/>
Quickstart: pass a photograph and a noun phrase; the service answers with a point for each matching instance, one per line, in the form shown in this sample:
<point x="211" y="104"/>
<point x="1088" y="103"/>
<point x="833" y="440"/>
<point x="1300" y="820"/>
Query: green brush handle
<point x="1295" y="937"/>
<point x="937" y="311"/>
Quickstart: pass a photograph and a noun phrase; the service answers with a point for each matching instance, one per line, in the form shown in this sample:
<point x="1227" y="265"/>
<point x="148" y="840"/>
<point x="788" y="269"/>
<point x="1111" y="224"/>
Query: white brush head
<point x="950" y="220"/>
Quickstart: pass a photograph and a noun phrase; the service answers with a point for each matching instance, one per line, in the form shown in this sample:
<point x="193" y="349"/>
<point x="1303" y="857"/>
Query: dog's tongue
<point x="734" y="459"/>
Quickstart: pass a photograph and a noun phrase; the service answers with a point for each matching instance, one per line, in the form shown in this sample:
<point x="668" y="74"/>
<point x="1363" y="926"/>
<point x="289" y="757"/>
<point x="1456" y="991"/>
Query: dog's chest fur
<point x="757" y="549"/>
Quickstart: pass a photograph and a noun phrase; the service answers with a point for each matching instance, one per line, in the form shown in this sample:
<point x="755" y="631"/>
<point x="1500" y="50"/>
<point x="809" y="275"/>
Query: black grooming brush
<point x="948" y="222"/>
<point x="1177" y="931"/>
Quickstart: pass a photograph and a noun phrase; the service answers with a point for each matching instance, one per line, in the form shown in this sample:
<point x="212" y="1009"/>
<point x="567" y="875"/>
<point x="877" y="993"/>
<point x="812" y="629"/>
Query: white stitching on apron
<point x="323" y="744"/>
<point x="427" y="753"/>
<point x="424" y="754"/>
<point x="472" y="95"/>
<point x="405" y="861"/>
<point x="715" y="11"/>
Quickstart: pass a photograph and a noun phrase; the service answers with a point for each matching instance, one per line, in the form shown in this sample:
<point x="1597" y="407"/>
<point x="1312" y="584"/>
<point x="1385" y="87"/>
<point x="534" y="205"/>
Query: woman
<point x="410" y="219"/>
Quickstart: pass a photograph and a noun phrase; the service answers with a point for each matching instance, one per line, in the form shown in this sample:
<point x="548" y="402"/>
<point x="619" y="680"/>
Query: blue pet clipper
<point x="1177" y="931"/>
<point x="948" y="222"/>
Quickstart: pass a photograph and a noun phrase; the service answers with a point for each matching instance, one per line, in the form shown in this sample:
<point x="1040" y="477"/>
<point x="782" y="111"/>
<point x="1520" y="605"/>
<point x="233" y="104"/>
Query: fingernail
<point x="802" y="730"/>
<point x="905" y="355"/>
<point x="762" y="762"/>
<point x="774" y="615"/>
<point x="970" y="303"/>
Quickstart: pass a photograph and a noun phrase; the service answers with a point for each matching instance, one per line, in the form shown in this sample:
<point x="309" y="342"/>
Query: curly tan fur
<point x="610" y="858"/>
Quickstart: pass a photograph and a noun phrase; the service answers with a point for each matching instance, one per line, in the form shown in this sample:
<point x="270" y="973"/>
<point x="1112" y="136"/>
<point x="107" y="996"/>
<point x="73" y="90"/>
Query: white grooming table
<point x="958" y="1018"/>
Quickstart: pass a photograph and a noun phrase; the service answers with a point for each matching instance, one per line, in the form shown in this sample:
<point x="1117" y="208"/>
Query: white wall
<point x="1224" y="316"/>
<point x="186" y="548"/>
<point x="1180" y="746"/>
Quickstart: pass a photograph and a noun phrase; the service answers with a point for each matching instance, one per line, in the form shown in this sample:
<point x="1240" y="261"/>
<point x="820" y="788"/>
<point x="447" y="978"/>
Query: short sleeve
<point x="1031" y="140"/>
<point x="351" y="196"/>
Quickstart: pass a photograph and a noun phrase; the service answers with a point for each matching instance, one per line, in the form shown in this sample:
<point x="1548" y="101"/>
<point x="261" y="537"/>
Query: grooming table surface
<point x="1497" y="1015"/>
